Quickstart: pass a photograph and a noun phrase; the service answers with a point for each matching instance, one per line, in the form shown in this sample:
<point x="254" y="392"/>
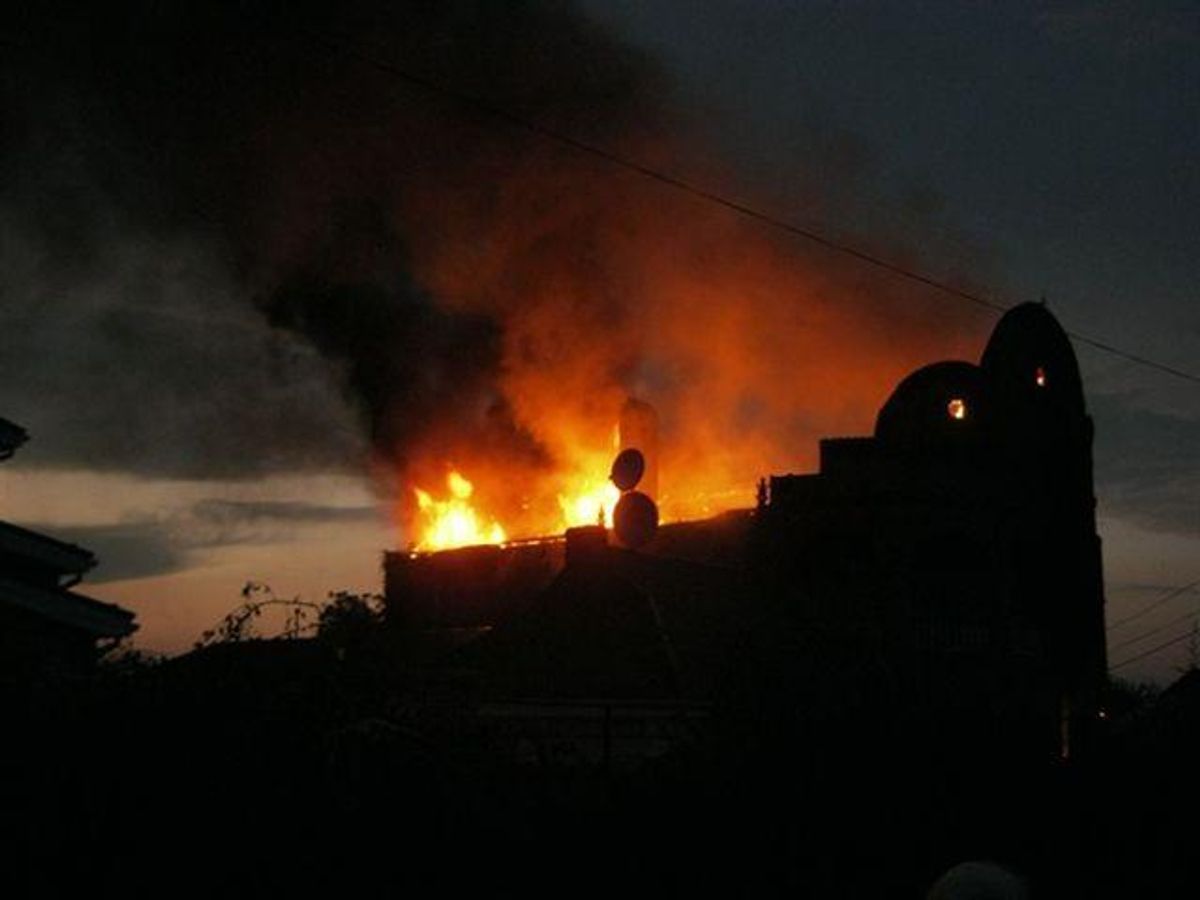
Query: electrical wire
<point x="1150" y="652"/>
<point x="1168" y="596"/>
<point x="1153" y="631"/>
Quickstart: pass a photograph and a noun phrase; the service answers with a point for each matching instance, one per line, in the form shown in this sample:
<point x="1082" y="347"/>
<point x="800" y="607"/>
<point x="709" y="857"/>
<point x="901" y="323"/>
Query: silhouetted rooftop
<point x="12" y="436"/>
<point x="52" y="553"/>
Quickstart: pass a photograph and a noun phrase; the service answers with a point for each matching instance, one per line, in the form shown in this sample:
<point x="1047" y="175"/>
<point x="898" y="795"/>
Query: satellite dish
<point x="628" y="468"/>
<point x="635" y="520"/>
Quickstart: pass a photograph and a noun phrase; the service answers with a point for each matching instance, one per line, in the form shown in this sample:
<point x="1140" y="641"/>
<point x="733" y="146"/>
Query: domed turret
<point x="1034" y="377"/>
<point x="942" y="405"/>
<point x="1030" y="361"/>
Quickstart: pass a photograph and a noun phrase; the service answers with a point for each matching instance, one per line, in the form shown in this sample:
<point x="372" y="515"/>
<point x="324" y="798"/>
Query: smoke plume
<point x="485" y="296"/>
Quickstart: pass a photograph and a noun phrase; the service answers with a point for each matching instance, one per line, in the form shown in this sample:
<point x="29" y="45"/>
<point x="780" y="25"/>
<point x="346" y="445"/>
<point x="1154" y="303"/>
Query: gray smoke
<point x="203" y="273"/>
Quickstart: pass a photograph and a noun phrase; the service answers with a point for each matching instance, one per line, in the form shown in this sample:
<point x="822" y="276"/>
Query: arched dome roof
<point x="942" y="403"/>
<point x="1030" y="355"/>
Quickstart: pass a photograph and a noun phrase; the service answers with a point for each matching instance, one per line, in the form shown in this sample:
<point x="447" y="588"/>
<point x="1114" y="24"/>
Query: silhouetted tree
<point x="1126" y="698"/>
<point x="238" y="624"/>
<point x="347" y="620"/>
<point x="344" y="620"/>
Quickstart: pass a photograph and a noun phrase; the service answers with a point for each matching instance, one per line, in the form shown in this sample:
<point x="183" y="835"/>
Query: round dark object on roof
<point x="628" y="468"/>
<point x="635" y="520"/>
<point x="940" y="404"/>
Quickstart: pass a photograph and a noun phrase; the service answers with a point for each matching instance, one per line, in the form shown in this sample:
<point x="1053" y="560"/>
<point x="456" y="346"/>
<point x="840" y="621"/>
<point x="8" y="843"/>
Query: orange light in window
<point x="957" y="408"/>
<point x="1039" y="376"/>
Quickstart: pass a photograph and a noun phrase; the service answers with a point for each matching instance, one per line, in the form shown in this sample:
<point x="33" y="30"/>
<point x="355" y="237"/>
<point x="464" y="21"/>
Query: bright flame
<point x="454" y="522"/>
<point x="957" y="409"/>
<point x="1039" y="377"/>
<point x="592" y="504"/>
<point x="466" y="513"/>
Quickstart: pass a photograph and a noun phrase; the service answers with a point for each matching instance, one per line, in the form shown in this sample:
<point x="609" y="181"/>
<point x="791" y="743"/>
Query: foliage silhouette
<point x="345" y="618"/>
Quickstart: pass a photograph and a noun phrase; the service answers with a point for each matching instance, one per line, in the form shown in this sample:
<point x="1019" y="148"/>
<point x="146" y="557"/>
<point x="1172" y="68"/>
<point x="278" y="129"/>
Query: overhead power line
<point x="1153" y="631"/>
<point x="1150" y="652"/>
<point x="493" y="111"/>
<point x="1165" y="598"/>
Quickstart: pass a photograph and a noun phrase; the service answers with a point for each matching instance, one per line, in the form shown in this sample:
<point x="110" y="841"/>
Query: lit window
<point x="957" y="408"/>
<point x="1039" y="376"/>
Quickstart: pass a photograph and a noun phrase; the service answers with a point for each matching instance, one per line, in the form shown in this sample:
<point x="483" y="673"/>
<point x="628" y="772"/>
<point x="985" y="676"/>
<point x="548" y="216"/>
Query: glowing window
<point x="957" y="408"/>
<point x="1039" y="377"/>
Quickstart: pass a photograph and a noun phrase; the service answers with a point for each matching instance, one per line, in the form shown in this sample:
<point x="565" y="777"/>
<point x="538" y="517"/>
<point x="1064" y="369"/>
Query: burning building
<point x="953" y="554"/>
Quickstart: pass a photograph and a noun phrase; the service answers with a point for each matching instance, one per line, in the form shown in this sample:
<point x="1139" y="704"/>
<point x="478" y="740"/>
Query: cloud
<point x="279" y="511"/>
<point x="174" y="542"/>
<point x="220" y="522"/>
<point x="151" y="359"/>
<point x="124" y="550"/>
<point x="1147" y="464"/>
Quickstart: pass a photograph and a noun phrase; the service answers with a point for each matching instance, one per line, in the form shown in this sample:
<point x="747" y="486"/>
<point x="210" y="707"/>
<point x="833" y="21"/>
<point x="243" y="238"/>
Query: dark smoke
<point x="406" y="362"/>
<point x="483" y="297"/>
<point x="137" y="127"/>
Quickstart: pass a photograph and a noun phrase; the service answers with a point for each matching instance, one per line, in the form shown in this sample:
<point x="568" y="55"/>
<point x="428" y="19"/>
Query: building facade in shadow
<point x="959" y="541"/>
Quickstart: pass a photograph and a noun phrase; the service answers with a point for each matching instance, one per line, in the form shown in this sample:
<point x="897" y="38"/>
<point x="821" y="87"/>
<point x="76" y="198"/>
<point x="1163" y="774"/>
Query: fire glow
<point x="556" y="296"/>
<point x="592" y="504"/>
<point x="454" y="522"/>
<point x="594" y="298"/>
<point x="492" y="299"/>
<point x="460" y="520"/>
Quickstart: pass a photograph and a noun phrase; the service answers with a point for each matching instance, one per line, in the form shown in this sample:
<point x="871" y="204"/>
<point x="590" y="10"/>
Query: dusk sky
<point x="251" y="283"/>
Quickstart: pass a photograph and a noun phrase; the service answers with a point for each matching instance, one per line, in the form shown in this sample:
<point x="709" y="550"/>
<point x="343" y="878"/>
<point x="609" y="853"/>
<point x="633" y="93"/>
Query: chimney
<point x="638" y="428"/>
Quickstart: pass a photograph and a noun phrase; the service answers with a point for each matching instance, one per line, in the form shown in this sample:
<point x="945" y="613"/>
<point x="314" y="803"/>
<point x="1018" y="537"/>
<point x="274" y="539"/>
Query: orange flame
<point x="592" y="503"/>
<point x="577" y="492"/>
<point x="457" y="521"/>
<point x="454" y="522"/>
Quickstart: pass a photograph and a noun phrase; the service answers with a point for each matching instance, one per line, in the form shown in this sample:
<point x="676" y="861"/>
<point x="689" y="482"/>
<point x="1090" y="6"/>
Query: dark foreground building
<point x="47" y="630"/>
<point x="962" y="535"/>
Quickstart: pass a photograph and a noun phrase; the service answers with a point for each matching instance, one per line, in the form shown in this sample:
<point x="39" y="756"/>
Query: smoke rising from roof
<point x="484" y="297"/>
